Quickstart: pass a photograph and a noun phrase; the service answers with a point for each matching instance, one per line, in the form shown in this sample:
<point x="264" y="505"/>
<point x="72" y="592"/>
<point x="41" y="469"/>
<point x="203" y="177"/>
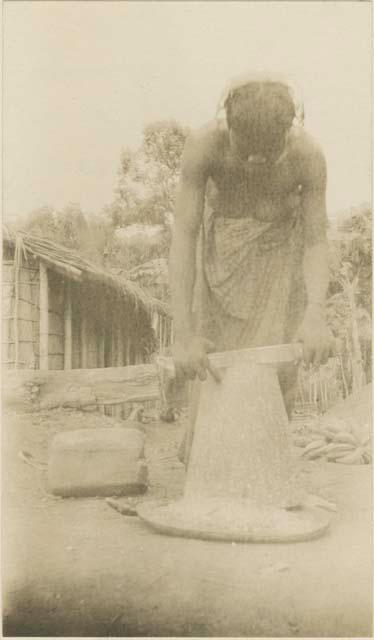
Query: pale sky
<point x="81" y="79"/>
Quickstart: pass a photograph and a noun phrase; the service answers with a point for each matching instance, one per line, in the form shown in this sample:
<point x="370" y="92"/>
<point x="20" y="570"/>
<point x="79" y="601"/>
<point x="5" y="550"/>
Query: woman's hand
<point x="315" y="336"/>
<point x="191" y="359"/>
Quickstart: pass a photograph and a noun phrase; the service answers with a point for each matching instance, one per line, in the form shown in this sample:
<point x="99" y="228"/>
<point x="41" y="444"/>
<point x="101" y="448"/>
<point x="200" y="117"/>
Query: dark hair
<point x="261" y="110"/>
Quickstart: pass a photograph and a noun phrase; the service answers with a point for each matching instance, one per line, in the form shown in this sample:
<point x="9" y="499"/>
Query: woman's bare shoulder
<point x="308" y="152"/>
<point x="203" y="146"/>
<point x="304" y="144"/>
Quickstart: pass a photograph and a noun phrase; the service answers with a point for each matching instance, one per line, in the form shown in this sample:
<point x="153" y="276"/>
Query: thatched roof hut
<point x="62" y="311"/>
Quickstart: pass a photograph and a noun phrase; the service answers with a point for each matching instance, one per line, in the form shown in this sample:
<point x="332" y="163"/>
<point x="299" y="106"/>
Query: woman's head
<point x="259" y="115"/>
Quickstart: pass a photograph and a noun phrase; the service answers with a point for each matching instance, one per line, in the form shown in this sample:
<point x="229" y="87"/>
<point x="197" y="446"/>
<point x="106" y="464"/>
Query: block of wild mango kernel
<point x="97" y="462"/>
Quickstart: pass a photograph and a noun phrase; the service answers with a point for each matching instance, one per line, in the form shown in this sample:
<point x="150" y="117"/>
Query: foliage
<point x="145" y="197"/>
<point x="356" y="252"/>
<point x="148" y="177"/>
<point x="349" y="301"/>
<point x="123" y="253"/>
<point x="348" y="313"/>
<point x="70" y="227"/>
<point x="40" y="222"/>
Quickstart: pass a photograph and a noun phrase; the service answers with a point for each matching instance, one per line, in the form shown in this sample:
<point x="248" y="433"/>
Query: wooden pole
<point x="171" y="332"/>
<point x="129" y="336"/>
<point x="128" y="348"/>
<point x="101" y="347"/>
<point x="119" y="359"/>
<point x="113" y="344"/>
<point x="160" y="333"/>
<point x="113" y="352"/>
<point x="68" y="329"/>
<point x="43" y="316"/>
<point x="101" y="354"/>
<point x="84" y="341"/>
<point x="120" y="346"/>
<point x="18" y="259"/>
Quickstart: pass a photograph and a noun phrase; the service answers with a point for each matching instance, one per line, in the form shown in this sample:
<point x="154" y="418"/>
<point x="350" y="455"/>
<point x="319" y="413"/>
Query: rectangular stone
<point x="97" y="462"/>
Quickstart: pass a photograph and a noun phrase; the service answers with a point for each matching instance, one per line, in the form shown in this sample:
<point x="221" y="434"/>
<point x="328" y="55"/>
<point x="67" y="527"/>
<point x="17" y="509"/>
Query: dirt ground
<point x="76" y="567"/>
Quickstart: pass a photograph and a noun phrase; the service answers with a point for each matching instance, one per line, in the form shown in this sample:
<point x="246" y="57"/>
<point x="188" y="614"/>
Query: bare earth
<point x="76" y="567"/>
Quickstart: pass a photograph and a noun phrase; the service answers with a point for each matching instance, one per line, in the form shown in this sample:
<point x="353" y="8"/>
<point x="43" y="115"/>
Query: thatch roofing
<point x="154" y="271"/>
<point x="74" y="267"/>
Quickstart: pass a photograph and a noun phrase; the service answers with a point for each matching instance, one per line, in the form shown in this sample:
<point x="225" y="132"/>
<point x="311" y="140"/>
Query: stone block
<point x="97" y="462"/>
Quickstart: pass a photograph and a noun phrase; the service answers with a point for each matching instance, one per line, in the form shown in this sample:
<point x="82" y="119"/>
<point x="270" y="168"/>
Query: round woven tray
<point x="234" y="522"/>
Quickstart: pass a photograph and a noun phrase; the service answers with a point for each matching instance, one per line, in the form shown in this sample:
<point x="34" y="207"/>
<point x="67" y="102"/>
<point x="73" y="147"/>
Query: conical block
<point x="240" y="448"/>
<point x="242" y="479"/>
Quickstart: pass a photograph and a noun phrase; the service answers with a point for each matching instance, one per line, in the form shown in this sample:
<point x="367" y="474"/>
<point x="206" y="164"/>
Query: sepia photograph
<point x="186" y="416"/>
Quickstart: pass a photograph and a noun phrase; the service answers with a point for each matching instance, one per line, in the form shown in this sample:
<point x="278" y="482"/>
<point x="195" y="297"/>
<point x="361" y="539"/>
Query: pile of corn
<point x="335" y="442"/>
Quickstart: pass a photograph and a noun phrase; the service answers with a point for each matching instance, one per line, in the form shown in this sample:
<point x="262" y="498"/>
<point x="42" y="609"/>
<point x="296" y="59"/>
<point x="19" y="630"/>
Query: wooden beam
<point x="43" y="316"/>
<point x="68" y="328"/>
<point x="105" y="386"/>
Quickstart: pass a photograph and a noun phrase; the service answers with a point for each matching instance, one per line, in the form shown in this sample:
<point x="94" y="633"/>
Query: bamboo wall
<point x="20" y="308"/>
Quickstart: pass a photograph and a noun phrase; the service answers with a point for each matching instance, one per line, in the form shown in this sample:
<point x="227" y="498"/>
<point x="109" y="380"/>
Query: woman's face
<point x="268" y="145"/>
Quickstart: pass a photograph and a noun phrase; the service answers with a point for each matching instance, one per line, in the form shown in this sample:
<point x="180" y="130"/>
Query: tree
<point x="145" y="197"/>
<point x="40" y="222"/>
<point x="356" y="252"/>
<point x="70" y="227"/>
<point x="148" y="177"/>
<point x="349" y="302"/>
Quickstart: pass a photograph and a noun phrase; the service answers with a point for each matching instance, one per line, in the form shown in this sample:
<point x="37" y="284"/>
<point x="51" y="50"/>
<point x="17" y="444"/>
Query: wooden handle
<point x="274" y="354"/>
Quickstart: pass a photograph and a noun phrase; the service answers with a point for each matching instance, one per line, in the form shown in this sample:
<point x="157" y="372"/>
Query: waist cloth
<point x="249" y="288"/>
